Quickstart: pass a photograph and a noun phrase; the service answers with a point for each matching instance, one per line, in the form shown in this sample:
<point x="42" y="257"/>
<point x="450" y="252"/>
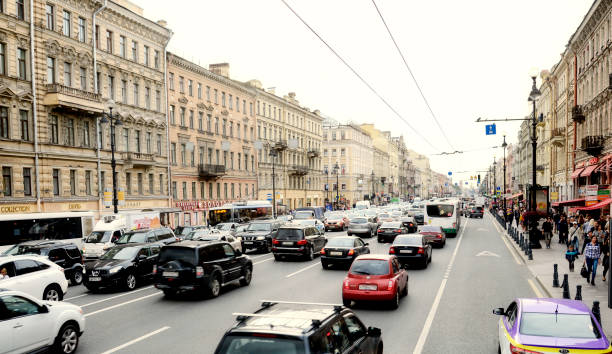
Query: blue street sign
<point x="466" y="183"/>
<point x="269" y="199"/>
<point x="445" y="184"/>
<point x="498" y="188"/>
<point x="491" y="129"/>
<point x="450" y="173"/>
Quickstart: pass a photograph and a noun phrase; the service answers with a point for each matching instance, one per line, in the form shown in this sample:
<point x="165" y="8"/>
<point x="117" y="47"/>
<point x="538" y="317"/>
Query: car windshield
<point x="558" y="325"/>
<point x="431" y="229"/>
<point x="99" y="237"/>
<point x="384" y="216"/>
<point x="359" y="221"/>
<point x="303" y="215"/>
<point x="198" y="234"/>
<point x="207" y="237"/>
<point x="408" y="241"/>
<point x="183" y="230"/>
<point x="181" y="254"/>
<point x="370" y="267"/>
<point x="133" y="237"/>
<point x="391" y="225"/>
<point x="23" y="249"/>
<point x="260" y="345"/>
<point x="259" y="227"/>
<point x="309" y="222"/>
<point x="440" y="210"/>
<point x="334" y="216"/>
<point x="290" y="234"/>
<point x="224" y="227"/>
<point x="340" y="242"/>
<point x="120" y="253"/>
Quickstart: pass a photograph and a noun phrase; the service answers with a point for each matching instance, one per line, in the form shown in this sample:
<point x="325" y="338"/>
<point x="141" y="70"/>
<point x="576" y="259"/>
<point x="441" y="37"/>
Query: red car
<point x="336" y="221"/>
<point x="375" y="277"/>
<point x="434" y="235"/>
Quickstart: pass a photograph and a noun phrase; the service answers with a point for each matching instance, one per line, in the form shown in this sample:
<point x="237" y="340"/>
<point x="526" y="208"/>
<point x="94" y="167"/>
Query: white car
<point x="217" y="235"/>
<point x="35" y="275"/>
<point x="30" y="325"/>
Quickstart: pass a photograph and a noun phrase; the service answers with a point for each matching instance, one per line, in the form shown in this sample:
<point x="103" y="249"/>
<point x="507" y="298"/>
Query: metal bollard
<point x="521" y="242"/>
<point x="555" y="276"/>
<point x="596" y="311"/>
<point x="527" y="247"/>
<point x="578" y="293"/>
<point x="530" y="255"/>
<point x="566" y="291"/>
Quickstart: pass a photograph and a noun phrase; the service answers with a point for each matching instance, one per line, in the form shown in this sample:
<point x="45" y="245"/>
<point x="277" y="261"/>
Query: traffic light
<point x="478" y="178"/>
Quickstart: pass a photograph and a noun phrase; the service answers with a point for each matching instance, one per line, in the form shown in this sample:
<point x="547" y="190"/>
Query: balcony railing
<point x="577" y="114"/>
<point x="557" y="136"/>
<point x="138" y="158"/>
<point x="280" y="145"/>
<point x="593" y="144"/>
<point x="74" y="99"/>
<point x="298" y="170"/>
<point x="71" y="91"/>
<point x="312" y="153"/>
<point x="207" y="171"/>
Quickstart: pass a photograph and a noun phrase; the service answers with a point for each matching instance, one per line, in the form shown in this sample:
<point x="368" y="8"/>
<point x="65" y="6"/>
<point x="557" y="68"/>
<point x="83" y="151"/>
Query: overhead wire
<point x="358" y="75"/>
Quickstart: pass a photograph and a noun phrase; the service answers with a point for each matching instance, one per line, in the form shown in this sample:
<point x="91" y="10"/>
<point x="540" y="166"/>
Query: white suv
<point x="35" y="275"/>
<point x="29" y="325"/>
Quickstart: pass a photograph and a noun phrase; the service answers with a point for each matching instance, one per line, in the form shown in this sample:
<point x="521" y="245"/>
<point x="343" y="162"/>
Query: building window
<point x="21" y="64"/>
<point x="128" y="183"/>
<point x="200" y="121"/>
<point x="216" y="125"/>
<point x="231" y="102"/>
<point x="126" y="139"/>
<point x="136" y="94"/>
<point x="183" y="157"/>
<point x="174" y="190"/>
<point x="20" y="9"/>
<point x="190" y="87"/>
<point x="53" y="129"/>
<point x="225" y="190"/>
<point x="185" y="195"/>
<point x="2" y="59"/>
<point x="171" y="81"/>
<point x="109" y="41"/>
<point x="224" y="127"/>
<point x="233" y="193"/>
<point x="124" y="91"/>
<point x="172" y="119"/>
<point x="50" y="17"/>
<point x="209" y="123"/>
<point x="159" y="144"/>
<point x="82" y="29"/>
<point x="216" y="96"/>
<point x="56" y="182"/>
<point x="190" y="119"/>
<point x="251" y="108"/>
<point x="156" y="59"/>
<point x="66" y="24"/>
<point x="50" y="70"/>
<point x="86" y="133"/>
<point x="182" y="116"/>
<point x="111" y="87"/>
<point x="237" y="104"/>
<point x="181" y="84"/>
<point x="24" y="123"/>
<point x="146" y="55"/>
<point x="139" y="176"/>
<point x="158" y="100"/>
<point x="148" y="142"/>
<point x="83" y="78"/>
<point x="210" y="191"/>
<point x="202" y="189"/>
<point x="27" y="181"/>
<point x="7" y="182"/>
<point x="135" y="51"/>
<point x="222" y="99"/>
<point x="137" y="140"/>
<point x="67" y="74"/>
<point x="4" y="123"/>
<point x="208" y="93"/>
<point x="73" y="182"/>
<point x="173" y="153"/>
<point x="161" y="184"/>
<point x="231" y="129"/>
<point x="69" y="132"/>
<point x="97" y="36"/>
<point x="342" y="152"/>
<point x="148" y="97"/>
<point x="199" y="91"/>
<point x="193" y="190"/>
<point x="122" y="46"/>
<point x="151" y="191"/>
<point x="88" y="182"/>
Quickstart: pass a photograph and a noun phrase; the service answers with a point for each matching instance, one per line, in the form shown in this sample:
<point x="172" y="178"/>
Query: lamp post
<point x="373" y="191"/>
<point x="336" y="168"/>
<point x="533" y="97"/>
<point x="273" y="153"/>
<point x="327" y="173"/>
<point x="504" y="193"/>
<point x="494" y="179"/>
<point x="114" y="121"/>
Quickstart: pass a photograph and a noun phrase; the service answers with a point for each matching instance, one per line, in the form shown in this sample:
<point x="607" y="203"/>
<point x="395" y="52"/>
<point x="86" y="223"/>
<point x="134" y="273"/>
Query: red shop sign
<point x="593" y="161"/>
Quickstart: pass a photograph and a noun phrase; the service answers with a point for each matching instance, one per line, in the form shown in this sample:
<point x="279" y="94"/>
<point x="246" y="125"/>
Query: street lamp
<point x="114" y="121"/>
<point x="494" y="178"/>
<point x="373" y="185"/>
<point x="336" y="168"/>
<point x="504" y="194"/>
<point x="534" y="95"/>
<point x="274" y="154"/>
<point x="327" y="173"/>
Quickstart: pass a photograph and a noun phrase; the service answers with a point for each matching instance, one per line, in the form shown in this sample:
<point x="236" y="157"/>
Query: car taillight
<point x="439" y="235"/>
<point x="454" y="225"/>
<point x="421" y="250"/>
<point x="351" y="252"/>
<point x="398" y="230"/>
<point x="517" y="350"/>
<point x="302" y="242"/>
<point x="275" y="241"/>
<point x="390" y="285"/>
<point x="199" y="272"/>
<point x="154" y="269"/>
<point x="392" y="250"/>
<point x="346" y="283"/>
<point x="380" y="230"/>
<point x="323" y="251"/>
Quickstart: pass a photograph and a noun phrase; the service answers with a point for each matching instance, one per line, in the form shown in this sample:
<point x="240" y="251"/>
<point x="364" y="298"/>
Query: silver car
<point x="362" y="226"/>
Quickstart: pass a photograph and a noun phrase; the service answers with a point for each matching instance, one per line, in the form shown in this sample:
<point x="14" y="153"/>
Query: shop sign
<point x="591" y="189"/>
<point x="74" y="206"/>
<point x="554" y="196"/>
<point x="121" y="197"/>
<point x="15" y="209"/>
<point x="108" y="197"/>
<point x="203" y="204"/>
<point x="593" y="161"/>
<point x="603" y="194"/>
<point x="590" y="200"/>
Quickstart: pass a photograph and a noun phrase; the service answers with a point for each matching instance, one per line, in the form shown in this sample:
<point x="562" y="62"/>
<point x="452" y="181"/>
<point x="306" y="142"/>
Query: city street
<point x="474" y="273"/>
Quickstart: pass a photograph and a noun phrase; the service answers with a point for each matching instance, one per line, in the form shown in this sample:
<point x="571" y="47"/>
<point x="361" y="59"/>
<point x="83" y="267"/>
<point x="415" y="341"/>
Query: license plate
<point x="405" y="251"/>
<point x="335" y="253"/>
<point x="287" y="243"/>
<point x="367" y="287"/>
<point x="170" y="274"/>
<point x="95" y="278"/>
<point x="248" y="242"/>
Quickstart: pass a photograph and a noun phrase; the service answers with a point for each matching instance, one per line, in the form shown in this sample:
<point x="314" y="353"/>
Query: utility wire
<point x="359" y="76"/>
<point x="412" y="75"/>
<point x="464" y="151"/>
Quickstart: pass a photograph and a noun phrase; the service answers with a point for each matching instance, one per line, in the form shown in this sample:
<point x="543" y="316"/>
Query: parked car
<point x="65" y="255"/>
<point x="409" y="223"/>
<point x="35" y="275"/>
<point x="297" y="240"/>
<point x="476" y="212"/>
<point x="163" y="235"/>
<point x="336" y="221"/>
<point x="303" y="215"/>
<point x="362" y="226"/>
<point x="29" y="325"/>
<point x="312" y="222"/>
<point x="182" y="231"/>
<point x="342" y="250"/>
<point x="258" y="235"/>
<point x="549" y="326"/>
<point x="203" y="267"/>
<point x="434" y="235"/>
<point x="412" y="249"/>
<point x="375" y="277"/>
<point x="218" y="236"/>
<point x="123" y="266"/>
<point x="324" y="329"/>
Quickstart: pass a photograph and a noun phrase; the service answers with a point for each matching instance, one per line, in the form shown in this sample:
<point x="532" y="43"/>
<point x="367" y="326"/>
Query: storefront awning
<point x="588" y="171"/>
<point x="596" y="206"/>
<point x="573" y="202"/>
<point x="606" y="165"/>
<point x="576" y="173"/>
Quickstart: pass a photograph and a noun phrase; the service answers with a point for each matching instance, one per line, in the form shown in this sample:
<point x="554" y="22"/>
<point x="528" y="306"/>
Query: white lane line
<point x="258" y="256"/>
<point x="122" y="304"/>
<point x="116" y="296"/>
<point x="265" y="260"/>
<point x="512" y="252"/>
<point x="136" y="340"/>
<point x="418" y="349"/>
<point x="75" y="297"/>
<point x="534" y="288"/>
<point x="303" y="269"/>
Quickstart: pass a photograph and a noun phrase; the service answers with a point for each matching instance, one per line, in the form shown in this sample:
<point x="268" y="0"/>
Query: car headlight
<point x="115" y="269"/>
<point x="261" y="237"/>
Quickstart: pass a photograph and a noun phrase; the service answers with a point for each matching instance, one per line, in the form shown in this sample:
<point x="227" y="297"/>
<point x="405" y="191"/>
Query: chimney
<point x="220" y="69"/>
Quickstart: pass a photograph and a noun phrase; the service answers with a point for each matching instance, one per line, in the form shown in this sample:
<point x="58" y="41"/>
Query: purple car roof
<point x="571" y="307"/>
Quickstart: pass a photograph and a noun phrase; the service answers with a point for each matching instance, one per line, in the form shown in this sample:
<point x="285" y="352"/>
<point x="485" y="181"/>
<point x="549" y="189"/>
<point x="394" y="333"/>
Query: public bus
<point x="243" y="212"/>
<point x="445" y="214"/>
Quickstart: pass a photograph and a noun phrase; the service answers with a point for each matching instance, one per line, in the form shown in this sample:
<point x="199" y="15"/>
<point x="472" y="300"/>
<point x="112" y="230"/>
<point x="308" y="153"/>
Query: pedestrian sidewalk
<point x="541" y="267"/>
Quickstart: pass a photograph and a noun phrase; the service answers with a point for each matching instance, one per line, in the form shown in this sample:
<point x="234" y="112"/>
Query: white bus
<point x="444" y="214"/>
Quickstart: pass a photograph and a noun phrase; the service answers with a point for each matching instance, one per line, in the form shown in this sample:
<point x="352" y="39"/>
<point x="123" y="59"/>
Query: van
<point x="104" y="235"/>
<point x="319" y="211"/>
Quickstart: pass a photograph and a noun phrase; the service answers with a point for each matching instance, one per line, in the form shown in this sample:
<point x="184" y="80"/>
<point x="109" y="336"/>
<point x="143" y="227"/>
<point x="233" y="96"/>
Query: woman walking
<point x="592" y="252"/>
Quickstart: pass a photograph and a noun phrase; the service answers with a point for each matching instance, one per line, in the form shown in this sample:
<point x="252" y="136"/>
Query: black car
<point x="258" y="235"/>
<point x="409" y="223"/>
<point x="476" y="212"/>
<point x="388" y="231"/>
<point x="297" y="240"/>
<point x="163" y="235"/>
<point x="322" y="328"/>
<point x="203" y="267"/>
<point x="123" y="266"/>
<point x="412" y="249"/>
<point x="419" y="217"/>
<point x="342" y="250"/>
<point x="66" y="255"/>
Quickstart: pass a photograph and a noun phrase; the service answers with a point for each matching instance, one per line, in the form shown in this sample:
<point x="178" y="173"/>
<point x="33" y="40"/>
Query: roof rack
<point x="268" y="303"/>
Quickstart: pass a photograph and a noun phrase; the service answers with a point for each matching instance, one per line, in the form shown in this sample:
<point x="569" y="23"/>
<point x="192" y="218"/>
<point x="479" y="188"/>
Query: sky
<point x="471" y="58"/>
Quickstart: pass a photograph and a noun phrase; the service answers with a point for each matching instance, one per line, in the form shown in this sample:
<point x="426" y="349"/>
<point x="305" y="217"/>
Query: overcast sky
<point x="472" y="58"/>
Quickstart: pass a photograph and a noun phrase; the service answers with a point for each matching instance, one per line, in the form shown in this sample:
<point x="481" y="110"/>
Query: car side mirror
<point x="142" y="257"/>
<point x="366" y="244"/>
<point x="44" y="309"/>
<point x="499" y="311"/>
<point x="374" y="332"/>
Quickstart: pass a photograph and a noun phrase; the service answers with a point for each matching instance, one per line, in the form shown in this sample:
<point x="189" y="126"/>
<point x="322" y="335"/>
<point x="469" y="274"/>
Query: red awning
<point x="588" y="170"/>
<point x="514" y="196"/>
<point x="576" y="173"/>
<point x="573" y="202"/>
<point x="605" y="166"/>
<point x="597" y="206"/>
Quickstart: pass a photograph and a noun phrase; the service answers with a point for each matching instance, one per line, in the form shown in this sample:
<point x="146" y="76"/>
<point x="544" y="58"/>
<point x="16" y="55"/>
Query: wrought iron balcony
<point x="577" y="115"/>
<point x="280" y="145"/>
<point x="593" y="144"/>
<point x="298" y="170"/>
<point x="312" y="153"/>
<point x="557" y="137"/>
<point x="207" y="171"/>
<point x="138" y="159"/>
<point x="70" y="98"/>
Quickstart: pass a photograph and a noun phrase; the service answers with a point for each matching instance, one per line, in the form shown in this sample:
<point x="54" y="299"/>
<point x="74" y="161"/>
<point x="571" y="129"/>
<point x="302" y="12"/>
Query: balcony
<point x="557" y="137"/>
<point x="297" y="170"/>
<point x="312" y="153"/>
<point x="577" y="115"/>
<point x="208" y="172"/>
<point x="280" y="145"/>
<point x="593" y="144"/>
<point x="72" y="99"/>
<point x="138" y="159"/>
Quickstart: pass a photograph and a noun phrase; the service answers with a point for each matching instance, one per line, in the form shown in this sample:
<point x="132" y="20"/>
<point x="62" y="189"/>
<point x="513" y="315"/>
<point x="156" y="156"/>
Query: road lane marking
<point x="122" y="304"/>
<point x="116" y="296"/>
<point x="258" y="256"/>
<point x="418" y="349"/>
<point x="534" y="288"/>
<point x="136" y="340"/>
<point x="501" y="235"/>
<point x="303" y="269"/>
<point x="75" y="297"/>
<point x="265" y="260"/>
<point x="487" y="254"/>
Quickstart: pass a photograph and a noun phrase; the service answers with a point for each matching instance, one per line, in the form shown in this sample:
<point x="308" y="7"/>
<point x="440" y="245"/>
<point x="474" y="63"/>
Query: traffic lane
<point x="484" y="276"/>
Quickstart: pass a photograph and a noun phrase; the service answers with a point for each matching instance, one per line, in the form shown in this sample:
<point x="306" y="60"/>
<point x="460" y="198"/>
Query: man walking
<point x="563" y="229"/>
<point x="547" y="231"/>
<point x="592" y="252"/>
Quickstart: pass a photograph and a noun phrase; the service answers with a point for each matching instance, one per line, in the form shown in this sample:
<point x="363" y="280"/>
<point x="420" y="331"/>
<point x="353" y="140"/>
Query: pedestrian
<point x="587" y="237"/>
<point x="3" y="274"/>
<point x="563" y="229"/>
<point x="606" y="256"/>
<point x="592" y="252"/>
<point x="574" y="239"/>
<point x="547" y="231"/>
<point x="571" y="254"/>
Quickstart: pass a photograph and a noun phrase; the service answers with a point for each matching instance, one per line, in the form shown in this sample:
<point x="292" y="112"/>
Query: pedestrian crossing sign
<point x="490" y="129"/>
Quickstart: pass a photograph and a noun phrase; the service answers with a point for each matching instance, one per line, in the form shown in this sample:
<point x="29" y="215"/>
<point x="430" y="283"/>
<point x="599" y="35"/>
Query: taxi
<point x="542" y="326"/>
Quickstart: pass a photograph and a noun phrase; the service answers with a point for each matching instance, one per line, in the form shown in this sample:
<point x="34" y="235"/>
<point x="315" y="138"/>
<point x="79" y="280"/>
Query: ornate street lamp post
<point x="504" y="193"/>
<point x="336" y="168"/>
<point x="114" y="121"/>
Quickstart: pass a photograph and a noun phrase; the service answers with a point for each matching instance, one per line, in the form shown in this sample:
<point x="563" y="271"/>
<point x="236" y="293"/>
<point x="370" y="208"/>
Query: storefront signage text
<point x="15" y="209"/>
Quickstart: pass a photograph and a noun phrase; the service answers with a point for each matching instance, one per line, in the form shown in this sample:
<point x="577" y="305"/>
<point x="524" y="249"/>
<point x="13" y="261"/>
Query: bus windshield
<point x="242" y="213"/>
<point x="440" y="210"/>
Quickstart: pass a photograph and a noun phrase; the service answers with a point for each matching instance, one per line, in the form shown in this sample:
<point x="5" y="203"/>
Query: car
<point x="98" y="242"/>
<point x="388" y="231"/>
<point x="434" y="235"/>
<point x="216" y="235"/>
<point x="228" y="226"/>
<point x="362" y="226"/>
<point x="200" y="232"/>
<point x="336" y="221"/>
<point x="241" y="228"/>
<point x="65" y="255"/>
<point x="311" y="222"/>
<point x="342" y="250"/>
<point x="319" y="328"/>
<point x="304" y="215"/>
<point x="30" y="325"/>
<point x="297" y="240"/>
<point x="385" y="217"/>
<point x="162" y="235"/>
<point x="123" y="266"/>
<point x="318" y="211"/>
<point x="409" y="223"/>
<point x="258" y="235"/>
<point x="182" y="231"/>
<point x="35" y="275"/>
<point x="419" y="217"/>
<point x="476" y="212"/>
<point x="375" y="277"/>
<point x="412" y="249"/>
<point x="543" y="325"/>
<point x="201" y="267"/>
<point x="396" y="215"/>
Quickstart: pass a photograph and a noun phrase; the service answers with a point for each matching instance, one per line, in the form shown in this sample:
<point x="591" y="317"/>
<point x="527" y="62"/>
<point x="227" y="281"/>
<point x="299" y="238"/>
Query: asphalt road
<point x="448" y="308"/>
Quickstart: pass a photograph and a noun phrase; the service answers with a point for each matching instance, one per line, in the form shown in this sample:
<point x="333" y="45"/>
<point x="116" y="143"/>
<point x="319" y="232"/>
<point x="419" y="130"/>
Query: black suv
<point x="200" y="266"/>
<point x="322" y="328"/>
<point x="476" y="212"/>
<point x="258" y="235"/>
<point x="297" y="240"/>
<point x="163" y="235"/>
<point x="65" y="255"/>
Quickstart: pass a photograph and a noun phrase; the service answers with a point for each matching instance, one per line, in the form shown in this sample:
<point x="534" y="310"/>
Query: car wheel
<point x="277" y="257"/>
<point x="380" y="240"/>
<point x="425" y="263"/>
<point x="268" y="247"/>
<point x="324" y="265"/>
<point x="347" y="303"/>
<point x="405" y="291"/>
<point x="443" y="244"/>
<point x="77" y="276"/>
<point x="247" y="276"/>
<point x="310" y="254"/>
<point x="130" y="281"/>
<point x="214" y="287"/>
<point x="67" y="339"/>
<point x="53" y="293"/>
<point x="169" y="294"/>
<point x="348" y="234"/>
<point x="395" y="302"/>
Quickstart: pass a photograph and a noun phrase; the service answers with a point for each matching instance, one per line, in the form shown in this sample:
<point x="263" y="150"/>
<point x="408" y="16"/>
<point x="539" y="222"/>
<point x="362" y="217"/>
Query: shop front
<point x="194" y="212"/>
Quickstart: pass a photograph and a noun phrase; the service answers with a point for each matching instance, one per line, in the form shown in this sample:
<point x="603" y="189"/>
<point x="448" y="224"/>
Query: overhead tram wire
<point x="412" y="75"/>
<point x="464" y="151"/>
<point x="359" y="76"/>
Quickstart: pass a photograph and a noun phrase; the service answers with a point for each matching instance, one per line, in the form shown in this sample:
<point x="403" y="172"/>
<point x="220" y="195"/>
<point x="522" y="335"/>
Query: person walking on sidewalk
<point x="563" y="229"/>
<point x="592" y="252"/>
<point x="547" y="231"/>
<point x="574" y="239"/>
<point x="606" y="256"/>
<point x="571" y="254"/>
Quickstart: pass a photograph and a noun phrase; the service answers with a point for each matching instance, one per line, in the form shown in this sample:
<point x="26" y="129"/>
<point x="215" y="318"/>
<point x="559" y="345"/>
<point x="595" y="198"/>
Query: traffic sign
<point x="490" y="129"/>
<point x="450" y="173"/>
